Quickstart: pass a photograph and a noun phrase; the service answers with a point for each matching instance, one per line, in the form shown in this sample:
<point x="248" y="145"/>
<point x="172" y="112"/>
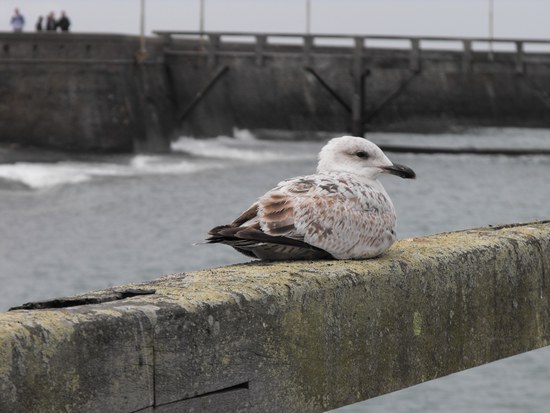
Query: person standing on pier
<point x="17" y="21"/>
<point x="51" y="24"/>
<point x="64" y="22"/>
<point x="39" y="24"/>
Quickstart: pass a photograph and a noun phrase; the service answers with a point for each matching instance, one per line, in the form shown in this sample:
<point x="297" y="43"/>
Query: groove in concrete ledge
<point x="73" y="302"/>
<point x="227" y="399"/>
<point x="237" y="387"/>
<point x="519" y="224"/>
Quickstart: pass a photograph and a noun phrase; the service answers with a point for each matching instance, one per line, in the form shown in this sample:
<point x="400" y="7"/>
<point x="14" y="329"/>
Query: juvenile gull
<point x="340" y="212"/>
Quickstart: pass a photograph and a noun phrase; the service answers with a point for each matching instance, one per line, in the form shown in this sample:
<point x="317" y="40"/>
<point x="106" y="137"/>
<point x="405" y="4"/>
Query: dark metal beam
<point x="394" y="94"/>
<point x="329" y="89"/>
<point x="202" y="93"/>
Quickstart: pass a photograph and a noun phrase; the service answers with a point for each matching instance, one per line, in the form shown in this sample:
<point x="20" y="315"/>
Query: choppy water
<point x="77" y="226"/>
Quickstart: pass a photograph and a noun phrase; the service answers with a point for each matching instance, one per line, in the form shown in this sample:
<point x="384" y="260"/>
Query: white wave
<point x="245" y="147"/>
<point x="44" y="175"/>
<point x="162" y="165"/>
<point x="207" y="154"/>
<point x="37" y="175"/>
<point x="243" y="135"/>
<point x="221" y="149"/>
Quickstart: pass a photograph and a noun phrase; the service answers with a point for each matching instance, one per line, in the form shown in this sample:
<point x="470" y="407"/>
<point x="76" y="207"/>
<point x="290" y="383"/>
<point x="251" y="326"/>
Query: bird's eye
<point x="362" y="154"/>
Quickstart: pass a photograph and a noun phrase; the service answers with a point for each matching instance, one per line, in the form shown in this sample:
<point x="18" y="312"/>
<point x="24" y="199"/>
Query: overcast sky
<point x="512" y="18"/>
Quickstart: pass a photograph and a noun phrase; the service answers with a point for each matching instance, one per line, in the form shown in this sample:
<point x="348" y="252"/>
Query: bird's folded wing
<point x="329" y="213"/>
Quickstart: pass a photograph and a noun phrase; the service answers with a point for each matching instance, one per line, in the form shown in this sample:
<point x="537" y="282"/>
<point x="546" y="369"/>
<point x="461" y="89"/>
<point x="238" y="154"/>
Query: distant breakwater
<point x="96" y="93"/>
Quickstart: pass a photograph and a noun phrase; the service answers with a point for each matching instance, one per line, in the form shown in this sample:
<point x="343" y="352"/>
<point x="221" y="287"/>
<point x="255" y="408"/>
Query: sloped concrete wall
<point x="285" y="336"/>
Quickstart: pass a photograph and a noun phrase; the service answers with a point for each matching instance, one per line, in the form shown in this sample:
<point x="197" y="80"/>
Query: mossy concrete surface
<point x="286" y="336"/>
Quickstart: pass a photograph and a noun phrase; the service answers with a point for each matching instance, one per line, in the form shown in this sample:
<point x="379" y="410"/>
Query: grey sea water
<point x="73" y="226"/>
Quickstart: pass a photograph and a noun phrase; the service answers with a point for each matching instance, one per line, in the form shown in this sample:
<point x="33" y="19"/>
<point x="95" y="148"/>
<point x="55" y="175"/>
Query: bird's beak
<point x="399" y="170"/>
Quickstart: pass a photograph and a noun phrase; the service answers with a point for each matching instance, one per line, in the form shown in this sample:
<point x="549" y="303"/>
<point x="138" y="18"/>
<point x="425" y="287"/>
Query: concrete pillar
<point x="467" y="56"/>
<point x="415" y="55"/>
<point x="308" y="48"/>
<point x="212" y="47"/>
<point x="358" y="102"/>
<point x="520" y="66"/>
<point x="261" y="40"/>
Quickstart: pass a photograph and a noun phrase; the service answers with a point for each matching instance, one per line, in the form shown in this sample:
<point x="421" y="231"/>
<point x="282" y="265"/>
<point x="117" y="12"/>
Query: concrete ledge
<point x="290" y="336"/>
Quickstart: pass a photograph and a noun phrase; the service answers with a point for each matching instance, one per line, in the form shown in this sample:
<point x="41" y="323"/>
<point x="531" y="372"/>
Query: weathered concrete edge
<point x="304" y="336"/>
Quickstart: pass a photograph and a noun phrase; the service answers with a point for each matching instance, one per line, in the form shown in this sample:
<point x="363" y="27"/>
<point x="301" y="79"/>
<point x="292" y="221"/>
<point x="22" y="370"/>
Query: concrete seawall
<point x="290" y="336"/>
<point x="83" y="92"/>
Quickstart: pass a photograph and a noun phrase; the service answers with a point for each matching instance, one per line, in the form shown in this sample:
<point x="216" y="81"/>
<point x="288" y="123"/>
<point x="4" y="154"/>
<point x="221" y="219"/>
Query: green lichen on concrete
<point x="51" y="356"/>
<point x="305" y="335"/>
<point x="417" y="323"/>
<point x="23" y="351"/>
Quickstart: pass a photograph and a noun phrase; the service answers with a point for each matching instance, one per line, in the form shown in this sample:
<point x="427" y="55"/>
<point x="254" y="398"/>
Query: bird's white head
<point x="358" y="156"/>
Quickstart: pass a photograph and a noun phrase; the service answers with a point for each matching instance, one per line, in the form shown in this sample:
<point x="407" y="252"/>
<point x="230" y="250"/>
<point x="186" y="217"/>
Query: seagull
<point x="341" y="212"/>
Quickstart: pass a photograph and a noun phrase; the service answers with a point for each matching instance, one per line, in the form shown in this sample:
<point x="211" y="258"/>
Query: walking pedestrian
<point x="51" y="24"/>
<point x="17" y="21"/>
<point x="64" y="22"/>
<point x="39" y="24"/>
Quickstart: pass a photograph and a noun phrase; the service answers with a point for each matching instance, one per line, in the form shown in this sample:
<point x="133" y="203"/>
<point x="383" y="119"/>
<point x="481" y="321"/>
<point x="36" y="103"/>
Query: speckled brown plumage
<point x="341" y="212"/>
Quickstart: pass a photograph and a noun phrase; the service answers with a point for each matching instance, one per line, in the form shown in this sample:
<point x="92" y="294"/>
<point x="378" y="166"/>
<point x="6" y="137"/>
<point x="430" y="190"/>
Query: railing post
<point x="261" y="40"/>
<point x="308" y="47"/>
<point x="212" y="47"/>
<point x="520" y="67"/>
<point x="167" y="37"/>
<point x="467" y="56"/>
<point x="415" y="55"/>
<point x="358" y="103"/>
